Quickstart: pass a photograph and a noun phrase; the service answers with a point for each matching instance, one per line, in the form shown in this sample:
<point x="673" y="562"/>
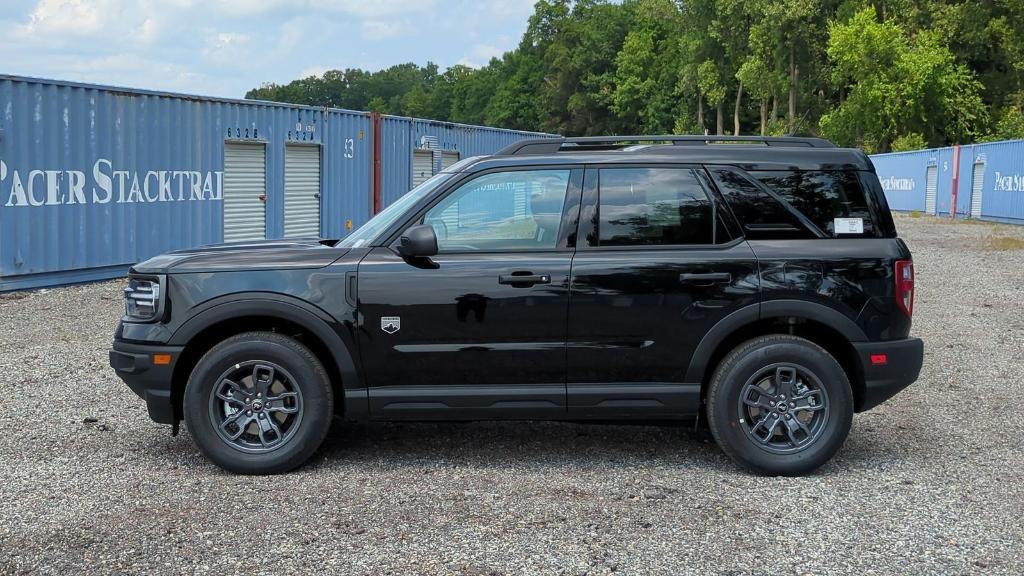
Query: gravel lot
<point x="931" y="482"/>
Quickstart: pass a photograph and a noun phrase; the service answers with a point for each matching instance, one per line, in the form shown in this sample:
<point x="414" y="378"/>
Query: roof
<point x="749" y="153"/>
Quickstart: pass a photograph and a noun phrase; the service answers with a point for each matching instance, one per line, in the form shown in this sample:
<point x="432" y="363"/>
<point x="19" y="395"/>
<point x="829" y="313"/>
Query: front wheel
<point x="780" y="405"/>
<point x="258" y="403"/>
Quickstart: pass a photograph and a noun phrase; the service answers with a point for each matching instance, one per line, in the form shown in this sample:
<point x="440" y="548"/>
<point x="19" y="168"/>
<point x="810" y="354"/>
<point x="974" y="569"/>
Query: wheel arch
<point x="820" y="324"/>
<point x="226" y="317"/>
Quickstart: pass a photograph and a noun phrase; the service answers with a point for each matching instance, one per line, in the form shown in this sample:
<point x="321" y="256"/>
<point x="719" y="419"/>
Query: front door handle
<point x="524" y="279"/>
<point x="705" y="278"/>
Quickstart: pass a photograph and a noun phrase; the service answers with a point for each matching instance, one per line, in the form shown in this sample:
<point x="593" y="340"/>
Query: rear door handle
<point x="526" y="280"/>
<point x="706" y="278"/>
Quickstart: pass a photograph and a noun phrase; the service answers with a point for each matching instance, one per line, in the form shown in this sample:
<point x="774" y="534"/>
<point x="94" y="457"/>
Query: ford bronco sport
<point x="755" y="284"/>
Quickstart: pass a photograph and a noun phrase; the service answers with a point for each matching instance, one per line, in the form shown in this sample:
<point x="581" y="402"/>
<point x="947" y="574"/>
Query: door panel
<point x="657" y="271"/>
<point x="457" y="325"/>
<point x="637" y="316"/>
<point x="301" y="191"/>
<point x="478" y="330"/>
<point x="245" y="191"/>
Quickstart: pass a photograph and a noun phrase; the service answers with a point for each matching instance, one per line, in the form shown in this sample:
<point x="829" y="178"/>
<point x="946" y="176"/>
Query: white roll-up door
<point x="301" y="191"/>
<point x="448" y="157"/>
<point x="931" y="189"/>
<point x="977" y="181"/>
<point x="422" y="166"/>
<point x="245" y="189"/>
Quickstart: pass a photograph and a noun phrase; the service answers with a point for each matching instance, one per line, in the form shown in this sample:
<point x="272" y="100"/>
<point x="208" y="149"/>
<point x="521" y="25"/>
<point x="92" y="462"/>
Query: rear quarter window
<point x="824" y="196"/>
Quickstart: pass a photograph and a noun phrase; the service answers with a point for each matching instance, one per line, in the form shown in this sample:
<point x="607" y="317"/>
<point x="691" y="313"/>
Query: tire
<point x="277" y="430"/>
<point x="761" y="435"/>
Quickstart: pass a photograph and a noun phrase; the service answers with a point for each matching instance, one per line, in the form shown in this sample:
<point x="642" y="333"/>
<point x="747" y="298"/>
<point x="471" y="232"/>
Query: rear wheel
<point x="258" y="403"/>
<point x="780" y="405"/>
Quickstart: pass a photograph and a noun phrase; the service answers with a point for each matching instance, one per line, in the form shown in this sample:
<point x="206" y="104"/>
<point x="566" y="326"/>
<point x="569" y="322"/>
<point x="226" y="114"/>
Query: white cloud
<point x="315" y="70"/>
<point x="375" y="8"/>
<point x="65" y="17"/>
<point x="383" y="29"/>
<point x="481" y="54"/>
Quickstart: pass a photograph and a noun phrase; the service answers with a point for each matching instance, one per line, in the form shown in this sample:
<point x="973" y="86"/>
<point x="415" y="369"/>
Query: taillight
<point x="905" y="286"/>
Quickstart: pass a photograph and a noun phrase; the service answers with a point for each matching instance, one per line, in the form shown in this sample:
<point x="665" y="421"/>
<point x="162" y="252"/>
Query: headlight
<point x="142" y="299"/>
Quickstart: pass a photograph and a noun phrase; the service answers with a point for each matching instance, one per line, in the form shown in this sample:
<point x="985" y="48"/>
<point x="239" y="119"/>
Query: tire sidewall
<point x="311" y="381"/>
<point x="724" y="414"/>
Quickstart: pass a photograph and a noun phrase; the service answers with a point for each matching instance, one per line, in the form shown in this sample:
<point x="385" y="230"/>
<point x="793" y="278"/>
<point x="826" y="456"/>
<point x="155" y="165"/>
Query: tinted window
<point x="822" y="197"/>
<point x="761" y="215"/>
<point x="653" y="206"/>
<point x="502" y="211"/>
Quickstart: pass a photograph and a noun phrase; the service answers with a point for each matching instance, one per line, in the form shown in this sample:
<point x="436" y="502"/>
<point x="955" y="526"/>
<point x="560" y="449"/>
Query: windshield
<point x="386" y="217"/>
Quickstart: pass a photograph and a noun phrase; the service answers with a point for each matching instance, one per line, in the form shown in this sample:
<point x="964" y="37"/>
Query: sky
<point x="226" y="47"/>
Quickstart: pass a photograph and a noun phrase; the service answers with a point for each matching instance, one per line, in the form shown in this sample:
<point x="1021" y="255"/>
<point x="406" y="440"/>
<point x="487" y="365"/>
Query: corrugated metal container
<point x="346" y="164"/>
<point x="990" y="180"/>
<point x="96" y="178"/>
<point x="401" y="136"/>
<point x="1001" y="179"/>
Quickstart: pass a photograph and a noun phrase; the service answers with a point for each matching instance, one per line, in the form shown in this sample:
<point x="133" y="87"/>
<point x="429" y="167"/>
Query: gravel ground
<point x="931" y="482"/>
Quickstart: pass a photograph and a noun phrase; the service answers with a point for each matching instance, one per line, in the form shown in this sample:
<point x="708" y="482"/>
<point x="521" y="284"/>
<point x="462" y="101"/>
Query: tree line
<point x="883" y="75"/>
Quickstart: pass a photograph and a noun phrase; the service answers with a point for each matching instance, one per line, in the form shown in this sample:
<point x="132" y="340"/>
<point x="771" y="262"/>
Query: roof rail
<point x="584" y="143"/>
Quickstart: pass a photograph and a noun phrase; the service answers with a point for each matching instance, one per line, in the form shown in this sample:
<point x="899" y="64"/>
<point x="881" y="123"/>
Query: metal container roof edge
<point x="941" y="148"/>
<point x="175" y="95"/>
<point x="446" y="123"/>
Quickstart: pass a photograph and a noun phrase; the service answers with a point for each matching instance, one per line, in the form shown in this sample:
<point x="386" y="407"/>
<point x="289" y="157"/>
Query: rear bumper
<point x="133" y="363"/>
<point x="903" y="360"/>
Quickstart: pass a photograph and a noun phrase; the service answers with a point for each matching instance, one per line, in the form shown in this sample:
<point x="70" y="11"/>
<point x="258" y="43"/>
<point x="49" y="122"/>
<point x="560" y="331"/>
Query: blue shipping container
<point x="95" y="178"/>
<point x="989" y="180"/>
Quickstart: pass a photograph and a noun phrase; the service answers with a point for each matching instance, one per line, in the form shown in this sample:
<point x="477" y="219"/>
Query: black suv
<point x="755" y="284"/>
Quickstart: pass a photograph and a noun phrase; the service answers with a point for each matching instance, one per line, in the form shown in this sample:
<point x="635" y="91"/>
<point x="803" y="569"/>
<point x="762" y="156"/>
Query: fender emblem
<point x="390" y="324"/>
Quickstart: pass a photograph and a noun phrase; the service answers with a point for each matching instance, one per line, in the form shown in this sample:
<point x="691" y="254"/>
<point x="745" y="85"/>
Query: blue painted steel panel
<point x="396" y="158"/>
<point x="903" y="177"/>
<point x="345" y="172"/>
<point x="1003" y="187"/>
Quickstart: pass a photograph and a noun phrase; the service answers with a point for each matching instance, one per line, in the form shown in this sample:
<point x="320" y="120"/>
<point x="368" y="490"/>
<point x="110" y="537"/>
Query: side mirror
<point x="418" y="242"/>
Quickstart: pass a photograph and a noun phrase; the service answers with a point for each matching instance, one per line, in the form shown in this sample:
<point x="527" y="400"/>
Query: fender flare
<point x="293" y="310"/>
<point x="763" y="311"/>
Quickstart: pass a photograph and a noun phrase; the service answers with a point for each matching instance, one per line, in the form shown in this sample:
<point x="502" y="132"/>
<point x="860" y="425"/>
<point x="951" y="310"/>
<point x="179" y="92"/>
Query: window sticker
<point x="849" y="226"/>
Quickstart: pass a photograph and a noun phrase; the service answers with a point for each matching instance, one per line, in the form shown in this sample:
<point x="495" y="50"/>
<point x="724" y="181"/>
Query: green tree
<point x="898" y="86"/>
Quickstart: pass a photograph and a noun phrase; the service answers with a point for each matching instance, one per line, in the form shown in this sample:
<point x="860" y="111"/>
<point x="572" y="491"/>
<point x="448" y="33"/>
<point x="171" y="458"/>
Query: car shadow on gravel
<point x="540" y="445"/>
<point x="522" y="443"/>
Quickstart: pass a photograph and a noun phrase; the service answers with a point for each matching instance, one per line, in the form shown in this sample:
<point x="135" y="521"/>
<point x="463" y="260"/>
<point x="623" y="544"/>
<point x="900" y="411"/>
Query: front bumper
<point x="903" y="360"/>
<point x="133" y="363"/>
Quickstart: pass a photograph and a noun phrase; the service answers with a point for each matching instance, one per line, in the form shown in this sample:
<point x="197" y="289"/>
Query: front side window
<point x="516" y="210"/>
<point x="653" y="206"/>
<point x="366" y="233"/>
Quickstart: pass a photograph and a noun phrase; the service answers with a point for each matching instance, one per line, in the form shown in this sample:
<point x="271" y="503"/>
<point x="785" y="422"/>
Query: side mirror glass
<point x="418" y="242"/>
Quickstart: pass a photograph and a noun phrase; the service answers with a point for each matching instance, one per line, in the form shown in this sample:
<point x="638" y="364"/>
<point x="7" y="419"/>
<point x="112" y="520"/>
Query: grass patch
<point x="14" y="295"/>
<point x="1004" y="243"/>
<point x="968" y="221"/>
<point x="915" y="214"/>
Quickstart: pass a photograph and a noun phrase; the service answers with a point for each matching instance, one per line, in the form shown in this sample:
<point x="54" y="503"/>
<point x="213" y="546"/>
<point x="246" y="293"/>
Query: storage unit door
<point x="422" y="166"/>
<point x="245" y="189"/>
<point x="301" y="191"/>
<point x="977" y="181"/>
<point x="448" y="158"/>
<point x="931" y="189"/>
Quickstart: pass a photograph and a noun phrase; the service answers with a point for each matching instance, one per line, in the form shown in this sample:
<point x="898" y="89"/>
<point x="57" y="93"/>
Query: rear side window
<point x="653" y="206"/>
<point x="762" y="216"/>
<point x="826" y="198"/>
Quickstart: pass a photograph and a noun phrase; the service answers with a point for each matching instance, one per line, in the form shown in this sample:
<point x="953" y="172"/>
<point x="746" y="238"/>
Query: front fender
<point x="326" y="328"/>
